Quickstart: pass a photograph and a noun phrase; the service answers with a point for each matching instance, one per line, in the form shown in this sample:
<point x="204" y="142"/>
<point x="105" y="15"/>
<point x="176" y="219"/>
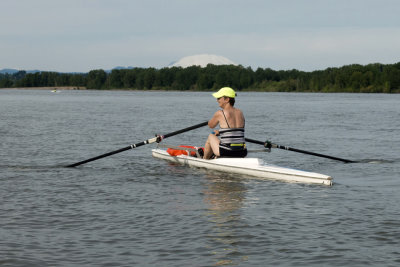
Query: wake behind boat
<point x="247" y="166"/>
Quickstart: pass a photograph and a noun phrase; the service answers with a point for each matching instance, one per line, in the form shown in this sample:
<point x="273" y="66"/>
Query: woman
<point x="231" y="121"/>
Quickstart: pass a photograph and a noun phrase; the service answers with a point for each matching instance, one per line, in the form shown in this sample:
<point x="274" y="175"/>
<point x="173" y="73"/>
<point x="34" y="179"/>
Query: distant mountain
<point x="202" y="61"/>
<point x="122" y="68"/>
<point x="119" y="68"/>
<point x="12" y="71"/>
<point x="195" y="60"/>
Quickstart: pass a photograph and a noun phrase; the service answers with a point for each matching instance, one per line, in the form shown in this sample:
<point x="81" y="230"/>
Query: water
<point x="131" y="209"/>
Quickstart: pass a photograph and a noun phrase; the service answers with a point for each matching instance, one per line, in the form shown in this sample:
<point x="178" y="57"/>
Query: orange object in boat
<point x="178" y="152"/>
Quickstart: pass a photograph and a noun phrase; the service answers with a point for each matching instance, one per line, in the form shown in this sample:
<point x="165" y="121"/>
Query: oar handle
<point x="268" y="144"/>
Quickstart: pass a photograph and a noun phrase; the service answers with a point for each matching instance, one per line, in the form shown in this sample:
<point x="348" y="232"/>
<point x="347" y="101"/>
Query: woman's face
<point x="222" y="101"/>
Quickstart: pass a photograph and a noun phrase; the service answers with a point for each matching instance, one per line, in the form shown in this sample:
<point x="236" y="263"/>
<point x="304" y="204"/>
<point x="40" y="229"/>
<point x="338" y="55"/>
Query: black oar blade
<point x="149" y="141"/>
<point x="271" y="145"/>
<point x="105" y="155"/>
<point x="98" y="157"/>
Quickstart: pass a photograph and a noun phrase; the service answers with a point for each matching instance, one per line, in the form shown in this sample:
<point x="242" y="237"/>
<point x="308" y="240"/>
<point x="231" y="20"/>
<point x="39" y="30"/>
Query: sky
<point x="83" y="35"/>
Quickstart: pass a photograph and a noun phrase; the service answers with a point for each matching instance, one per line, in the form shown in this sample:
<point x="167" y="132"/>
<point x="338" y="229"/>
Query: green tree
<point x="205" y="81"/>
<point x="96" y="79"/>
<point x="149" y="78"/>
<point x="246" y="78"/>
<point x="356" y="81"/>
<point x="115" y="79"/>
<point x="5" y="82"/>
<point x="129" y="78"/>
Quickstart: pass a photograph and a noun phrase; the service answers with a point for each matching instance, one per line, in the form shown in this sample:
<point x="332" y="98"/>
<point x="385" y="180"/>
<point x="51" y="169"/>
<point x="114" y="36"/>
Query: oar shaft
<point x="109" y="153"/>
<point x="256" y="142"/>
<point x="186" y="129"/>
<point x="271" y="145"/>
<point x="311" y="153"/>
<point x="99" y="157"/>
<point x="148" y="141"/>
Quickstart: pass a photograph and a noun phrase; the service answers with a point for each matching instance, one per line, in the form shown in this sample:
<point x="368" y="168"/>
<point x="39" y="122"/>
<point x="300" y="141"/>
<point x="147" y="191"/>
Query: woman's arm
<point x="213" y="122"/>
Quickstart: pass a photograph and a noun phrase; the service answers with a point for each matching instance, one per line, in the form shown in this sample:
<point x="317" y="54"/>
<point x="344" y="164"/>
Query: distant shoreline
<point x="49" y="88"/>
<point x="82" y="88"/>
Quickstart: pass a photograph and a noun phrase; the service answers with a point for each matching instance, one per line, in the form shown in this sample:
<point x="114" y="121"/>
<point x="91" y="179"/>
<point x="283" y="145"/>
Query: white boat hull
<point x="248" y="166"/>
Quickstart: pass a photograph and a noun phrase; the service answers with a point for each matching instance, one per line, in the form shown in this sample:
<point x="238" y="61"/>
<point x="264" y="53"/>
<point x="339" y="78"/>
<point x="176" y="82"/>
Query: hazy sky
<point x="82" y="35"/>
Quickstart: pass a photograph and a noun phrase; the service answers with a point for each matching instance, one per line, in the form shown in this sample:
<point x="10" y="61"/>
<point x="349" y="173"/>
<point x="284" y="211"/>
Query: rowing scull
<point x="248" y="166"/>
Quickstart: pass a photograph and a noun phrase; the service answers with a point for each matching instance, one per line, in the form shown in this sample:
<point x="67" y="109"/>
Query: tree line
<point x="371" y="78"/>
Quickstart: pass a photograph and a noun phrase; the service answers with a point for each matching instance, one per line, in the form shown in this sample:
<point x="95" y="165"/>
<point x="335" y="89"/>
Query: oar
<point x="268" y="144"/>
<point x="148" y="141"/>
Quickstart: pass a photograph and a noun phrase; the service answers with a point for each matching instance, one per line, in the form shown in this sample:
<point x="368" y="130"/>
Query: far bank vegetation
<point x="372" y="78"/>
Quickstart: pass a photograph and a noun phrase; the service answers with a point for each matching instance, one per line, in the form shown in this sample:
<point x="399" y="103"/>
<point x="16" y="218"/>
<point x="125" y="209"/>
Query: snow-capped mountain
<point x="202" y="61"/>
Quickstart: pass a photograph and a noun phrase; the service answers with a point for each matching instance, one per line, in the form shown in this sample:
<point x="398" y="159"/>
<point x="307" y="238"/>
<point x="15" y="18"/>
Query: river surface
<point x="131" y="209"/>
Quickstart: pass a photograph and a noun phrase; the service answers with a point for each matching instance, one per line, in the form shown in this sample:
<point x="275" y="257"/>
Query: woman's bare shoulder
<point x="213" y="122"/>
<point x="238" y="111"/>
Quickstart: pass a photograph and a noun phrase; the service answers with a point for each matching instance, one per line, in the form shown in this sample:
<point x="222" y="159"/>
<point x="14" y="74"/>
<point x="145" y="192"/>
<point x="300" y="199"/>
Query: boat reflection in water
<point x="224" y="196"/>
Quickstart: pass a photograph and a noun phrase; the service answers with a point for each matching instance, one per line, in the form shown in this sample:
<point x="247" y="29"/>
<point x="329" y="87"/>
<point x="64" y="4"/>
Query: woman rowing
<point x="231" y="142"/>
